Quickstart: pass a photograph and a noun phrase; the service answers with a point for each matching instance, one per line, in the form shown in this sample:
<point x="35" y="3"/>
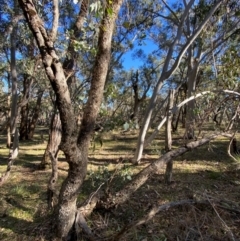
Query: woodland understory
<point x="119" y="120"/>
<point x="200" y="203"/>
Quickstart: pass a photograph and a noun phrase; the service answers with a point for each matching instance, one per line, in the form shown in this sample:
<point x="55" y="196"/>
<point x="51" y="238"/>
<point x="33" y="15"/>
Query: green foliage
<point x="131" y="125"/>
<point x="126" y="173"/>
<point x="99" y="176"/>
<point x="96" y="8"/>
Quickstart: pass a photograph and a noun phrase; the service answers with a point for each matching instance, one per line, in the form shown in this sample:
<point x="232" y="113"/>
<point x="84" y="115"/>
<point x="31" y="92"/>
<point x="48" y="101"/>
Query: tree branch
<point x="55" y="20"/>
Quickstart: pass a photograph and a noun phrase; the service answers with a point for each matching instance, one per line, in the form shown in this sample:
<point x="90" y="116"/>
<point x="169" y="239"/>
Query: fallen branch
<point x="123" y="195"/>
<point x="226" y="228"/>
<point x="99" y="199"/>
<point x="198" y="199"/>
<point x="81" y="225"/>
<point x="152" y="213"/>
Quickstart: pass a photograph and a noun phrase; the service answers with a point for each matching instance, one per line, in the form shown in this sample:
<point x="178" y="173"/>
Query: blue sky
<point x="129" y="62"/>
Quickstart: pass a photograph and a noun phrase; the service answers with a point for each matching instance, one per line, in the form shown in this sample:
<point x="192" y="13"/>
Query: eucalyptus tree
<point x="74" y="145"/>
<point x="207" y="47"/>
<point x="11" y="34"/>
<point x="69" y="57"/>
<point x="175" y="48"/>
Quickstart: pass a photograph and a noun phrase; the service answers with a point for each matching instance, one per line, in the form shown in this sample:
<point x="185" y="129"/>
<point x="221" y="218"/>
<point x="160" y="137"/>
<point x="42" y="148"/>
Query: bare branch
<point x="172" y="12"/>
<point x="176" y="108"/>
<point x="193" y="37"/>
<point x="55" y="20"/>
<point x="152" y="213"/>
<point x="229" y="147"/>
<point x="82" y="14"/>
<point x="227" y="229"/>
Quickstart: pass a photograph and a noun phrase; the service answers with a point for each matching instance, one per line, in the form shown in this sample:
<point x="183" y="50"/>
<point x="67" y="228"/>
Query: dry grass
<point x="209" y="170"/>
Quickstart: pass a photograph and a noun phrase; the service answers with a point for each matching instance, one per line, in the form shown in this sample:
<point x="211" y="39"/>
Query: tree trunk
<point x="51" y="152"/>
<point x="54" y="140"/>
<point x="168" y="132"/>
<point x="9" y="113"/>
<point x="137" y="99"/>
<point x="14" y="147"/>
<point x="175" y="127"/>
<point x="168" y="140"/>
<point x="222" y="116"/>
<point x="23" y="130"/>
<point x="75" y="148"/>
<point x="36" y="112"/>
<point x="167" y="71"/>
<point x="192" y="78"/>
<point x="14" y="112"/>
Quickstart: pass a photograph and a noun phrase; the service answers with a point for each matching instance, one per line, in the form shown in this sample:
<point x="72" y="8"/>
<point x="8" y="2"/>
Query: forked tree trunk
<point x="167" y="71"/>
<point x="74" y="147"/>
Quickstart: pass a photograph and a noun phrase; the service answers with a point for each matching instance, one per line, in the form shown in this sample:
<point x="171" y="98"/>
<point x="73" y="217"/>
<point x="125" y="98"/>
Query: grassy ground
<point x="207" y="171"/>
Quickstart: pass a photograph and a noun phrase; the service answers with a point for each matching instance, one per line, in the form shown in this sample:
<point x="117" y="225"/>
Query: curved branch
<point x="176" y="108"/>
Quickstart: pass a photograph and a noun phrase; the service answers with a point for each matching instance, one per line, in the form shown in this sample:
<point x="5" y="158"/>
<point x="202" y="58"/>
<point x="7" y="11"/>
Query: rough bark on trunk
<point x="74" y="147"/>
<point x="36" y="112"/>
<point x="23" y="129"/>
<point x="54" y="140"/>
<point x="52" y="152"/>
<point x="9" y="113"/>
